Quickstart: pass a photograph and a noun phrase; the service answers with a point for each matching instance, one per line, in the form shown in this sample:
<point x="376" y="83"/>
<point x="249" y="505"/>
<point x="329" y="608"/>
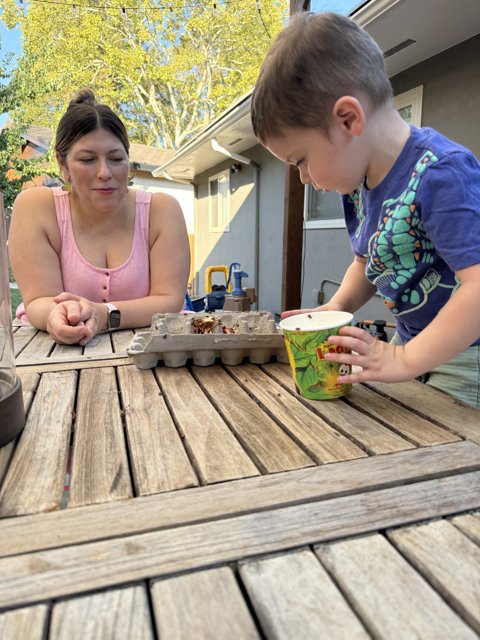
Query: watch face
<point x="114" y="319"/>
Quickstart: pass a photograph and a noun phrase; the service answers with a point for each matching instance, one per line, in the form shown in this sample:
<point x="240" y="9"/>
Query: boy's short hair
<point x="316" y="59"/>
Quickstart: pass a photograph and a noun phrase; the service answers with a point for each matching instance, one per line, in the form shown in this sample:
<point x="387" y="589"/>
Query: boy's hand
<point x="380" y="361"/>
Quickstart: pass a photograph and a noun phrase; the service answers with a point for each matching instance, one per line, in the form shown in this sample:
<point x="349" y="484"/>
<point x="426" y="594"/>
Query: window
<point x="323" y="210"/>
<point x="219" y="202"/>
<point x="409" y="105"/>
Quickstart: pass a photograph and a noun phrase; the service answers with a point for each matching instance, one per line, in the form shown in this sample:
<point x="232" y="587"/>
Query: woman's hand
<point x="379" y="361"/>
<point x="75" y="320"/>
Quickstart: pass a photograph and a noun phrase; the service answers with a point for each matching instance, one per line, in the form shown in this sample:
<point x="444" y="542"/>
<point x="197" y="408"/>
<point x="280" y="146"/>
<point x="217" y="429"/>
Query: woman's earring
<point x="66" y="184"/>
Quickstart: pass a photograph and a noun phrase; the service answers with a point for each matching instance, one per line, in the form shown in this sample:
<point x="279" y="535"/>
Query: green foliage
<point x="15" y="171"/>
<point x="167" y="72"/>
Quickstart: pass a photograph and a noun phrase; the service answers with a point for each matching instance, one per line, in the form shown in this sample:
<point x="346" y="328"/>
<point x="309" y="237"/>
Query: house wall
<point x="451" y="95"/>
<point x="184" y="193"/>
<point x="239" y="244"/>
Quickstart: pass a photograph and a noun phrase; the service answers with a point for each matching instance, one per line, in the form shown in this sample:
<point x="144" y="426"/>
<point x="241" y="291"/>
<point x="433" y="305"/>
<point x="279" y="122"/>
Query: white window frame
<point x="223" y="225"/>
<point x="413" y="98"/>
<point x="334" y="223"/>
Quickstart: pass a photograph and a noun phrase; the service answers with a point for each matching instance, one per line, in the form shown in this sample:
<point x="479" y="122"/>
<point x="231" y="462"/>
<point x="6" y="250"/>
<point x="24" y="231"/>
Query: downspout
<point x="248" y="161"/>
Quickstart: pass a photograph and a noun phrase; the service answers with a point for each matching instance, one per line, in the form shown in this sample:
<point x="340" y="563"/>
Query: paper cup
<point x="306" y="338"/>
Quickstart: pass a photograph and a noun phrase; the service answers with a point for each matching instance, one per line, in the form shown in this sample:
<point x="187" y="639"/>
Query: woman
<point x="96" y="255"/>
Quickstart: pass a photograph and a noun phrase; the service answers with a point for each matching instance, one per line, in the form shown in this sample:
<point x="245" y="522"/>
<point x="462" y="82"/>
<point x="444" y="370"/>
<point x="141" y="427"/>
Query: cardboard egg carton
<point x="231" y="336"/>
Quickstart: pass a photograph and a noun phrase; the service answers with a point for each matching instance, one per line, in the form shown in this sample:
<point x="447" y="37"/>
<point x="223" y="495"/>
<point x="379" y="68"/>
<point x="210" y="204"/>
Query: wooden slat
<point x="406" y="423"/>
<point x="24" y="623"/>
<point x="29" y="385"/>
<point x="34" y="480"/>
<point x="449" y="560"/>
<point x="216" y="453"/>
<point x="39" y="346"/>
<point x="387" y="593"/>
<point x="121" y="340"/>
<point x="100" y="465"/>
<point x="269" y="447"/>
<point x="366" y="432"/>
<point x="71" y="351"/>
<point x="84" y="524"/>
<point x="44" y="365"/>
<point x="294" y="597"/>
<point x="159" y="461"/>
<point x="469" y="524"/>
<point x="22" y="337"/>
<point x="99" y="345"/>
<point x="120" y="614"/>
<point x="322" y="442"/>
<point x="205" y="604"/>
<point x="434" y="405"/>
<point x="63" y="571"/>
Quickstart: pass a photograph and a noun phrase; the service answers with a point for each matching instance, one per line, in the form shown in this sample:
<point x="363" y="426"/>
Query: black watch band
<point x="114" y="316"/>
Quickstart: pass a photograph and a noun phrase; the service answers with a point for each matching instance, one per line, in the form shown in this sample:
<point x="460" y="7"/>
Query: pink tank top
<point x="126" y="282"/>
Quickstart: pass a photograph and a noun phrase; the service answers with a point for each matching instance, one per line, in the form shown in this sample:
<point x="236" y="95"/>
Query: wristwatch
<point x="113" y="318"/>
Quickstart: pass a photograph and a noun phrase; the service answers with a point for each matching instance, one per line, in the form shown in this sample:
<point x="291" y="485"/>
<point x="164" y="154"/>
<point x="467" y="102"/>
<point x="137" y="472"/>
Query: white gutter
<point x="220" y="124"/>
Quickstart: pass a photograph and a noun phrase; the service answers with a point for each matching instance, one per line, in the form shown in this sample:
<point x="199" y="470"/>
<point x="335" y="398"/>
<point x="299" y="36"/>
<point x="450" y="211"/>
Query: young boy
<point x="411" y="197"/>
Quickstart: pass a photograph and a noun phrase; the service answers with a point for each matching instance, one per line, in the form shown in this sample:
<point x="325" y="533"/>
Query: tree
<point x="167" y="66"/>
<point x="14" y="170"/>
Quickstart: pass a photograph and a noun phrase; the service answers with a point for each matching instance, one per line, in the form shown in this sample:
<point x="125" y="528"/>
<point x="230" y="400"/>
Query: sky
<point x="10" y="41"/>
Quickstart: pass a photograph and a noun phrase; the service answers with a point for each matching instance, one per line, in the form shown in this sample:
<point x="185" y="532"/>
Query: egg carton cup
<point x="172" y="338"/>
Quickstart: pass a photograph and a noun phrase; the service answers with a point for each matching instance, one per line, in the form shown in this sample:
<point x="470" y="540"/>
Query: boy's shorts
<point x="460" y="377"/>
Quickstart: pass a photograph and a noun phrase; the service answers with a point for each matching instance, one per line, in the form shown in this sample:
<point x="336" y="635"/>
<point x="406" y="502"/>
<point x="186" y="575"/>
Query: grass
<point x="16" y="299"/>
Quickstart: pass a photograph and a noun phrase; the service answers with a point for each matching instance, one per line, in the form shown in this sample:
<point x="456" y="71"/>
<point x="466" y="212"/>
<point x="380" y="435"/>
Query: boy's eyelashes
<point x="299" y="162"/>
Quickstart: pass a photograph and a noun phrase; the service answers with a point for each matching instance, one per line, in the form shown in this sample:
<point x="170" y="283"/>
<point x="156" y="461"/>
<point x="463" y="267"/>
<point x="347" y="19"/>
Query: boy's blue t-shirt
<point x="418" y="226"/>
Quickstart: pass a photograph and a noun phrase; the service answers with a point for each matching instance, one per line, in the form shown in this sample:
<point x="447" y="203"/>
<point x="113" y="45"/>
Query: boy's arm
<point x="353" y="293"/>
<point x="454" y="329"/>
<point x="355" y="290"/>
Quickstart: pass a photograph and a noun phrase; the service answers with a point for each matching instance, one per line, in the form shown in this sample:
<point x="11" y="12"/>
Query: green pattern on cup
<point x="314" y="376"/>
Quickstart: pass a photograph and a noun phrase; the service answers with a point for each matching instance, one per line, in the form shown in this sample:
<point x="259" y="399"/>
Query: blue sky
<point x="10" y="41"/>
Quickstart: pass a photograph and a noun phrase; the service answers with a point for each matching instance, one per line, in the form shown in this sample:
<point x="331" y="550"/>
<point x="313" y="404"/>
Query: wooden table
<point x="215" y="503"/>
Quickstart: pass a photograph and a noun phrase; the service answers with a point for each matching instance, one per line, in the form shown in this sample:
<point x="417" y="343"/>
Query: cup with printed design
<point x="306" y="340"/>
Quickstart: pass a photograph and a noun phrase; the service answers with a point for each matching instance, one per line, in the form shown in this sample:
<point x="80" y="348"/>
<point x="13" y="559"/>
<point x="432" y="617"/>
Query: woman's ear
<point x="349" y="114"/>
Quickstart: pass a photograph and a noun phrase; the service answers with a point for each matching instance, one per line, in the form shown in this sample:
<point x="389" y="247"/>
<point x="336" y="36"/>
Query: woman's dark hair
<point x="83" y="115"/>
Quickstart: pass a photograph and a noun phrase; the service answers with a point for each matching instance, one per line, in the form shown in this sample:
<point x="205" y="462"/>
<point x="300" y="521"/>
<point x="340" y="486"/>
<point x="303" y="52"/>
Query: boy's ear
<point x="348" y="112"/>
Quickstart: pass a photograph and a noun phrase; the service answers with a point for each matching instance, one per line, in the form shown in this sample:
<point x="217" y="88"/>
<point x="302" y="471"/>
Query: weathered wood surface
<point x="22" y="337"/>
<point x="119" y="614"/>
<point x="322" y="442"/>
<point x="410" y="426"/>
<point x="294" y="597"/>
<point x="391" y="598"/>
<point x="20" y="624"/>
<point x="69" y="570"/>
<point x="158" y="458"/>
<point x="214" y="451"/>
<point x="469" y="524"/>
<point x="40" y="345"/>
<point x="83" y="524"/>
<point x="204" y="604"/>
<point x="34" y="478"/>
<point x="434" y="405"/>
<point x="367" y="433"/>
<point x="449" y="560"/>
<point x="100" y="470"/>
<point x="266" y="443"/>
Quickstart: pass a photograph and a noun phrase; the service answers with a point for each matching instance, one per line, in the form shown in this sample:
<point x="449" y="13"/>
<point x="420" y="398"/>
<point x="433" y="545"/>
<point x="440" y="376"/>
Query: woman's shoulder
<point x="41" y="197"/>
<point x="164" y="203"/>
